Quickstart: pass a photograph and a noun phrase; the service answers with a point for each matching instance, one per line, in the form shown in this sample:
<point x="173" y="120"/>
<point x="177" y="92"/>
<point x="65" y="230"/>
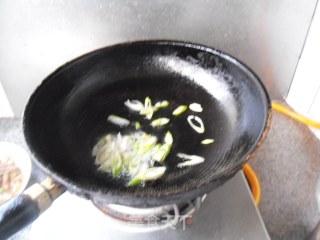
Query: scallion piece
<point x="98" y="146"/>
<point x="161" y="154"/>
<point x="153" y="173"/>
<point x="168" y="139"/>
<point x="137" y="125"/>
<point x="135" y="181"/>
<point x="105" y="167"/>
<point x="161" y="104"/>
<point x="207" y="141"/>
<point x="196" y="107"/>
<point x="160" y="122"/>
<point x="198" y="129"/>
<point x="116" y="164"/>
<point x="133" y="166"/>
<point x="179" y="110"/>
<point x="190" y="163"/>
<point x="148" y="175"/>
<point x="146" y="143"/>
<point x="148" y="109"/>
<point x="103" y="155"/>
<point x="120" y="121"/>
<point x="132" y="155"/>
<point x="134" y="105"/>
<point x="191" y="159"/>
<point x="147" y="102"/>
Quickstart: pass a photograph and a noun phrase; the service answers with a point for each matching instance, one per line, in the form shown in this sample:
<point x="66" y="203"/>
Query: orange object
<point x="296" y="116"/>
<point x="253" y="183"/>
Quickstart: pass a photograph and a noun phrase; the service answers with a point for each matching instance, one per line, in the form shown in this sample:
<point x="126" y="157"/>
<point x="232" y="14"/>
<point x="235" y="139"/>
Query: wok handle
<point x="26" y="207"/>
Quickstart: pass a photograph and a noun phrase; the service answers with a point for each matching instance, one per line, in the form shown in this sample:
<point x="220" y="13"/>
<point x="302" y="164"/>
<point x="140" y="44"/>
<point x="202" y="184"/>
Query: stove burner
<point x="130" y="219"/>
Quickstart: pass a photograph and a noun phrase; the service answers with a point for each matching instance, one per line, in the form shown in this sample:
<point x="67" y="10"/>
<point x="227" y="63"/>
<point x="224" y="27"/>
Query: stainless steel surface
<point x="227" y="213"/>
<point x="38" y="36"/>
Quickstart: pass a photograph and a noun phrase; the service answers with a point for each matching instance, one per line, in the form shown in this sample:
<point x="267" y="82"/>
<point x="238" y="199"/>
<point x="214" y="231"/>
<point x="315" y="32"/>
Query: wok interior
<point x="68" y="114"/>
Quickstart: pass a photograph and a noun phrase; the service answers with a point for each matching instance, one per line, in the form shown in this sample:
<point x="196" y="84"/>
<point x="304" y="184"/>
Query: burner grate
<point x="131" y="219"/>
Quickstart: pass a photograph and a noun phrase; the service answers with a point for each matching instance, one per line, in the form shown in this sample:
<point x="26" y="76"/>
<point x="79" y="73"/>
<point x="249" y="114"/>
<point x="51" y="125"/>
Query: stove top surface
<point x="227" y="213"/>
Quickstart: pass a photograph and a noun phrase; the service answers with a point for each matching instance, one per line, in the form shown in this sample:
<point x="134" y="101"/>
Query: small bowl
<point x="21" y="159"/>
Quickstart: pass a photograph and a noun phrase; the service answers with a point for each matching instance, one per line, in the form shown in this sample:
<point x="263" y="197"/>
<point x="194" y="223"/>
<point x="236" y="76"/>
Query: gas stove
<point x="130" y="219"/>
<point x="226" y="213"/>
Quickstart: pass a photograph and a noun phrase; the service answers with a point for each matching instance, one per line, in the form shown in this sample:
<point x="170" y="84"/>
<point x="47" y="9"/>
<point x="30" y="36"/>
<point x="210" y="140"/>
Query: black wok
<point x="67" y="114"/>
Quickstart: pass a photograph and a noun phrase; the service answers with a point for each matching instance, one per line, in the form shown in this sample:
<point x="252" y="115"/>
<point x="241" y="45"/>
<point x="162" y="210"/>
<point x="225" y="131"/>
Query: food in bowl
<point x="15" y="170"/>
<point x="11" y="179"/>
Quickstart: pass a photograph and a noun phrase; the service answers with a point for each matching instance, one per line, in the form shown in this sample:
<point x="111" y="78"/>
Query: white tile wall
<point x="304" y="94"/>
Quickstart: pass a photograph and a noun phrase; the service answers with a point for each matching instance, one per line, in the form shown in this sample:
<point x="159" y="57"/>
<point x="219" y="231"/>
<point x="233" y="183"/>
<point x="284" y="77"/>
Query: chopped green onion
<point x="207" y="141"/>
<point x="160" y="122"/>
<point x="133" y="166"/>
<point x="137" y="173"/>
<point x="147" y="102"/>
<point x="103" y="155"/>
<point x="146" y="143"/>
<point x="149" y="114"/>
<point x="196" y="107"/>
<point x="134" y="105"/>
<point x="132" y="155"/>
<point x="190" y="157"/>
<point x="137" y="125"/>
<point x="116" y="164"/>
<point x="148" y="139"/>
<point x="148" y="175"/>
<point x="153" y="173"/>
<point x="127" y="159"/>
<point x="138" y="168"/>
<point x="190" y="163"/>
<point x="198" y="129"/>
<point x="179" y="110"/>
<point x="135" y="181"/>
<point x="120" y="121"/>
<point x="105" y="167"/>
<point x="148" y="109"/>
<point x="161" y="154"/>
<point x="156" y="148"/>
<point x="161" y="104"/>
<point x="98" y="146"/>
<point x="168" y="139"/>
